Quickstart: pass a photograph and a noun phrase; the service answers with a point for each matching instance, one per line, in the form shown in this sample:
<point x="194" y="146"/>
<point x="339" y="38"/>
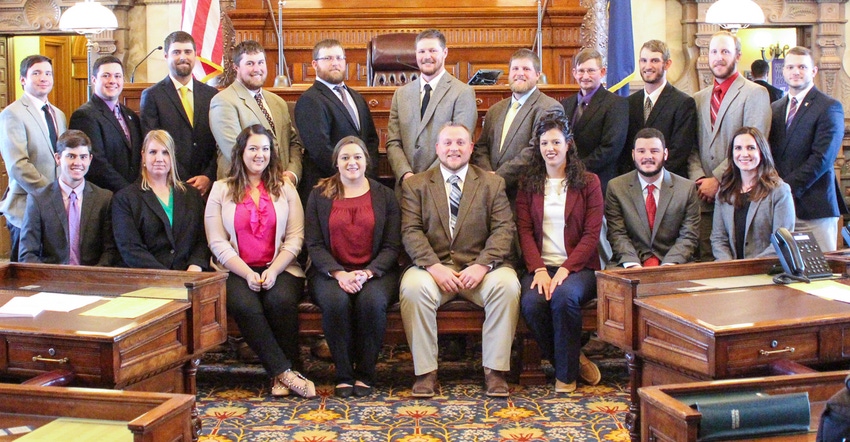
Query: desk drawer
<point x="760" y="350"/>
<point x="82" y="358"/>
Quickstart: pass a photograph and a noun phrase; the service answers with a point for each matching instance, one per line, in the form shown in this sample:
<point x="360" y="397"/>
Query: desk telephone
<point x="800" y="256"/>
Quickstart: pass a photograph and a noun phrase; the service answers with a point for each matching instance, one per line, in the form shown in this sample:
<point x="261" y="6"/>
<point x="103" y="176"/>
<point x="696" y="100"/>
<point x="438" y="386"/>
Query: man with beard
<point x="653" y="215"/>
<point x="729" y="103"/>
<point x="503" y="146"/>
<point x="422" y="107"/>
<point x="245" y="104"/>
<point x="329" y="111"/>
<point x="661" y="106"/>
<point x="180" y="105"/>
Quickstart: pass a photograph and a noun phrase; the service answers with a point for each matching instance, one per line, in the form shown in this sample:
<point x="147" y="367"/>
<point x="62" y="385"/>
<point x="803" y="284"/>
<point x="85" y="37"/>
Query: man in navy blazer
<point x="46" y="236"/>
<point x="325" y="115"/>
<point x="804" y="144"/>
<point x="116" y="145"/>
<point x="163" y="108"/>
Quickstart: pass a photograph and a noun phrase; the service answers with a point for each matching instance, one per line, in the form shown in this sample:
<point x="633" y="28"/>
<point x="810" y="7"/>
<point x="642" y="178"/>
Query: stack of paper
<point x="31" y="306"/>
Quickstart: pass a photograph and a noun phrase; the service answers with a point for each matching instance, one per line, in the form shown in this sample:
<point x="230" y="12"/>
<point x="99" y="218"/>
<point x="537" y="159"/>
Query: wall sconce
<point x="774" y="51"/>
<point x="88" y="18"/>
<point x="734" y="14"/>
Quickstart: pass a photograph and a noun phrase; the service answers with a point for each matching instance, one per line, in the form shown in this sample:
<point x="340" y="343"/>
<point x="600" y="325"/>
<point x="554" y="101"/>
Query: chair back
<point x="391" y="60"/>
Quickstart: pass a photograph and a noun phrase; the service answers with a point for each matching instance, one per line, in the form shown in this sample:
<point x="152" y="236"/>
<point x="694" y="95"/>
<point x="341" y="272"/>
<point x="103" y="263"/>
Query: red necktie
<point x="715" y="104"/>
<point x="650" y="214"/>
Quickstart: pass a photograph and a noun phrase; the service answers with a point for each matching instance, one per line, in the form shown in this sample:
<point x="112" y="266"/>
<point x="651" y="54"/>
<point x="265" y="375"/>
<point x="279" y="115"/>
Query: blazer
<point x="674" y="235"/>
<point x="28" y="154"/>
<point x="235" y="108"/>
<point x="675" y="115"/>
<point x="322" y="120"/>
<point x="763" y="218"/>
<point x="44" y="235"/>
<point x="516" y="153"/>
<point x="411" y="140"/>
<point x="221" y="232"/>
<point x="194" y="144"/>
<point x="386" y="235"/>
<point x="144" y="236"/>
<point x="774" y="92"/>
<point x="583" y="216"/>
<point x="600" y="133"/>
<point x="484" y="231"/>
<point x="115" y="160"/>
<point x="805" y="153"/>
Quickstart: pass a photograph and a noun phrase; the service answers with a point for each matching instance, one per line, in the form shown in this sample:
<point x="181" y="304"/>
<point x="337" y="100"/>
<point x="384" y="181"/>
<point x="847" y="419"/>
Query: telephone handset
<point x="800" y="256"/>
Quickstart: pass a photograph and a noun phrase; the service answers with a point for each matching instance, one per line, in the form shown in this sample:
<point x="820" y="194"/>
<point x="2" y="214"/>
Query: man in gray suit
<point x="457" y="227"/>
<point x="653" y="215"/>
<point x="504" y="148"/>
<point x="29" y="128"/>
<point x="420" y="108"/>
<point x="239" y="106"/>
<point x="731" y="102"/>
<point x="49" y="235"/>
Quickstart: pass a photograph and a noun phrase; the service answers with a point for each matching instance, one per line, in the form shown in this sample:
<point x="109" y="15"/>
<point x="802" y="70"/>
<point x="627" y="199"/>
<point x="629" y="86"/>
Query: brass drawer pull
<point x="773" y="352"/>
<point x="41" y="359"/>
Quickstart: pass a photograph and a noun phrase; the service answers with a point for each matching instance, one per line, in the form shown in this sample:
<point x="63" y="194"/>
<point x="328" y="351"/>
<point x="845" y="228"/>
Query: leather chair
<point x="391" y="60"/>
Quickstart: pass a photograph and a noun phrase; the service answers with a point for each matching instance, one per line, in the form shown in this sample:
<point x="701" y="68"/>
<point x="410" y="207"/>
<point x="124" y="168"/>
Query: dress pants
<point x="268" y="319"/>
<point x="15" y="240"/>
<point x="498" y="293"/>
<point x="556" y="324"/>
<point x="354" y="324"/>
<point x="825" y="231"/>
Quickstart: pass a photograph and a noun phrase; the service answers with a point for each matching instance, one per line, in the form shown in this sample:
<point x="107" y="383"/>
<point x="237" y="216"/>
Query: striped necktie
<point x="454" y="201"/>
<point x="792" y="112"/>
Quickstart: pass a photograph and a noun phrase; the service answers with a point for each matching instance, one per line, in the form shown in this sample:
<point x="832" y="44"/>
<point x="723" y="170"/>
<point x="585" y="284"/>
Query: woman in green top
<point x="158" y="220"/>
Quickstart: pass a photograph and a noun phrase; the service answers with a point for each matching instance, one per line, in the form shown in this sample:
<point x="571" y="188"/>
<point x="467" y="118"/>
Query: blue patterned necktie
<point x="454" y="201"/>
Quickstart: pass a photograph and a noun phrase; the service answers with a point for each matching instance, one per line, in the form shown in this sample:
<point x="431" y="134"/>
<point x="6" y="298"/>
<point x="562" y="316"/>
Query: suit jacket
<point x="485" y="229"/>
<point x="115" y="160"/>
<point x="322" y="120"/>
<point x="386" y="235"/>
<point x="805" y="153"/>
<point x="235" y="108"/>
<point x="516" y="152"/>
<point x="600" y="133"/>
<point x="44" y="235"/>
<point x="221" y="231"/>
<point x="147" y="240"/>
<point x="675" y="115"/>
<point x="28" y="154"/>
<point x="194" y="145"/>
<point x="674" y="235"/>
<point x="774" y="92"/>
<point x="583" y="216"/>
<point x="763" y="218"/>
<point x="411" y="140"/>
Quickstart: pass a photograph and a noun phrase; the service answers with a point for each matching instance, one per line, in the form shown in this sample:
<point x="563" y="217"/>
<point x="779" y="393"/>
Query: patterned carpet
<point x="235" y="405"/>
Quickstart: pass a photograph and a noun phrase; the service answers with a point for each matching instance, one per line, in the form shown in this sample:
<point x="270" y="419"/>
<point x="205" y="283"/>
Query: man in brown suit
<point x="457" y="227"/>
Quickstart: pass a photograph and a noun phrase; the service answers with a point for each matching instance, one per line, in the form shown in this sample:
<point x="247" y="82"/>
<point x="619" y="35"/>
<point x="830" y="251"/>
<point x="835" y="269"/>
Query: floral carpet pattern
<point x="235" y="405"/>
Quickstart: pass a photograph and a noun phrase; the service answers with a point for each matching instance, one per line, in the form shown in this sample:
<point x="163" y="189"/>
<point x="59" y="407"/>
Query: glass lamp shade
<point x="734" y="14"/>
<point x="88" y="17"/>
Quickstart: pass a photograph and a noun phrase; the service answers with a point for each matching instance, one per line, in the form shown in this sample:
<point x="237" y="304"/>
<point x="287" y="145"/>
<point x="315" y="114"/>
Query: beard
<point x="182" y="70"/>
<point x="649" y="172"/>
<point x="723" y="72"/>
<point x="332" y="77"/>
<point x="522" y="87"/>
<point x="251" y="82"/>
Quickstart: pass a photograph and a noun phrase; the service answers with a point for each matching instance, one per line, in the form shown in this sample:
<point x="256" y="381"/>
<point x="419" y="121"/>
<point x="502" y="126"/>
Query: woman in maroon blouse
<point x="353" y="236"/>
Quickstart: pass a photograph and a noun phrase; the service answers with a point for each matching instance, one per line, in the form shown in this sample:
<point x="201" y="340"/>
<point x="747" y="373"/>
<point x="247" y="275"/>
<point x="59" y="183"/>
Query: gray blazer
<point x="25" y="146"/>
<point x="674" y="236"/>
<point x="411" y="140"/>
<point x="763" y="218"/>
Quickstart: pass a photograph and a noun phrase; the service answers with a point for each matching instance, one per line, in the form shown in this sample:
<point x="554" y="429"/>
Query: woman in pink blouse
<point x="255" y="228"/>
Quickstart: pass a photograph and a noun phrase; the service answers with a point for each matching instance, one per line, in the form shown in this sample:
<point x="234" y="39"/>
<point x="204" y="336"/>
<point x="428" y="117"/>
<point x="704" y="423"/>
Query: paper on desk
<point x="832" y="290"/>
<point x="126" y="307"/>
<point x="159" y="293"/>
<point x="83" y="430"/>
<point x="20" y="307"/>
<point x="730" y="282"/>
<point x="63" y="302"/>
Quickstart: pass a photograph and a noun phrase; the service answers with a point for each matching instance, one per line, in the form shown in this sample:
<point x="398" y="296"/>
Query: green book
<point x="744" y="417"/>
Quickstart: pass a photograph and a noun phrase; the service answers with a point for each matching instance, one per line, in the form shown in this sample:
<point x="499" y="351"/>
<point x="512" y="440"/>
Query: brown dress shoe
<point x="425" y="385"/>
<point x="588" y="371"/>
<point x="496" y="384"/>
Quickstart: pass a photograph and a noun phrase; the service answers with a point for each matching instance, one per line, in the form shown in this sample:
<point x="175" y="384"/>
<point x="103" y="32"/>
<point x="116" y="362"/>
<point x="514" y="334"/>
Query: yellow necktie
<point x="187" y="105"/>
<point x="509" y="118"/>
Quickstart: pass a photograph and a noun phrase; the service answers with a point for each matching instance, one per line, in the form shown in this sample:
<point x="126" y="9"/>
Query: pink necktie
<point x="792" y="111"/>
<point x="120" y="117"/>
<point x="74" y="229"/>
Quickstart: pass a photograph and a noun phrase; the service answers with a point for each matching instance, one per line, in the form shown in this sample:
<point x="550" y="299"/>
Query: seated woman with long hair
<point x="255" y="228"/>
<point x="752" y="202"/>
<point x="353" y="237"/>
<point x="157" y="221"/>
<point x="559" y="217"/>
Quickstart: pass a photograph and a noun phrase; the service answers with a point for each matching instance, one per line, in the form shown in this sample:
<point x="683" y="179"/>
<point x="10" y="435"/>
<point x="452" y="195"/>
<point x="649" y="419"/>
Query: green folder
<point x="743" y="417"/>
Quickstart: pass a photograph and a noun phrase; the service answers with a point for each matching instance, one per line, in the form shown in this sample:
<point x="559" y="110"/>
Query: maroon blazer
<point x="583" y="213"/>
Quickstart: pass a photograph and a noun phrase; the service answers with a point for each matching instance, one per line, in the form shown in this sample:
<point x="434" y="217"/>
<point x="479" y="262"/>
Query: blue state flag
<point x="621" y="52"/>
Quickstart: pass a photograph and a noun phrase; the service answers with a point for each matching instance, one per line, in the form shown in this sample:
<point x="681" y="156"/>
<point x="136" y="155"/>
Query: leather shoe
<point x="588" y="371"/>
<point x="425" y="385"/>
<point x="344" y="391"/>
<point x="362" y="390"/>
<point x="563" y="387"/>
<point x="496" y="384"/>
<point x="278" y="388"/>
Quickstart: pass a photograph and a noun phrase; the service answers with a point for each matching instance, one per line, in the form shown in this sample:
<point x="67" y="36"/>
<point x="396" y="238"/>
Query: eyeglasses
<point x="586" y="71"/>
<point x="335" y="58"/>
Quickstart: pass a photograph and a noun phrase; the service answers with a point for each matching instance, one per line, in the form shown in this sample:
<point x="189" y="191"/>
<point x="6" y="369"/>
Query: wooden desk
<point x="667" y="419"/>
<point x="150" y="416"/>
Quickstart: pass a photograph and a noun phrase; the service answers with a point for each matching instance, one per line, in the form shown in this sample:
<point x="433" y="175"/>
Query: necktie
<point x="454" y="201"/>
<point x="187" y="105"/>
<point x="579" y="111"/>
<point x="120" y="117"/>
<point x="51" y="127"/>
<point x="340" y="89"/>
<point x="792" y="111"/>
<point x="509" y="118"/>
<point x="647" y="108"/>
<point x="73" y="229"/>
<point x="259" y="97"/>
<point x="715" y="104"/>
<point x="425" y="100"/>
<point x="650" y="214"/>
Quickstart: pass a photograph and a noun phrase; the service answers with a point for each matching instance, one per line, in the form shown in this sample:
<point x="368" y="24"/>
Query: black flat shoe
<point x="343" y="392"/>
<point x="362" y="390"/>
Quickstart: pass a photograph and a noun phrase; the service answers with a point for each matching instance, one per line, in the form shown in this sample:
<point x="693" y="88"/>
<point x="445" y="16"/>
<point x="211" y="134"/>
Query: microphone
<point x="133" y="75"/>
